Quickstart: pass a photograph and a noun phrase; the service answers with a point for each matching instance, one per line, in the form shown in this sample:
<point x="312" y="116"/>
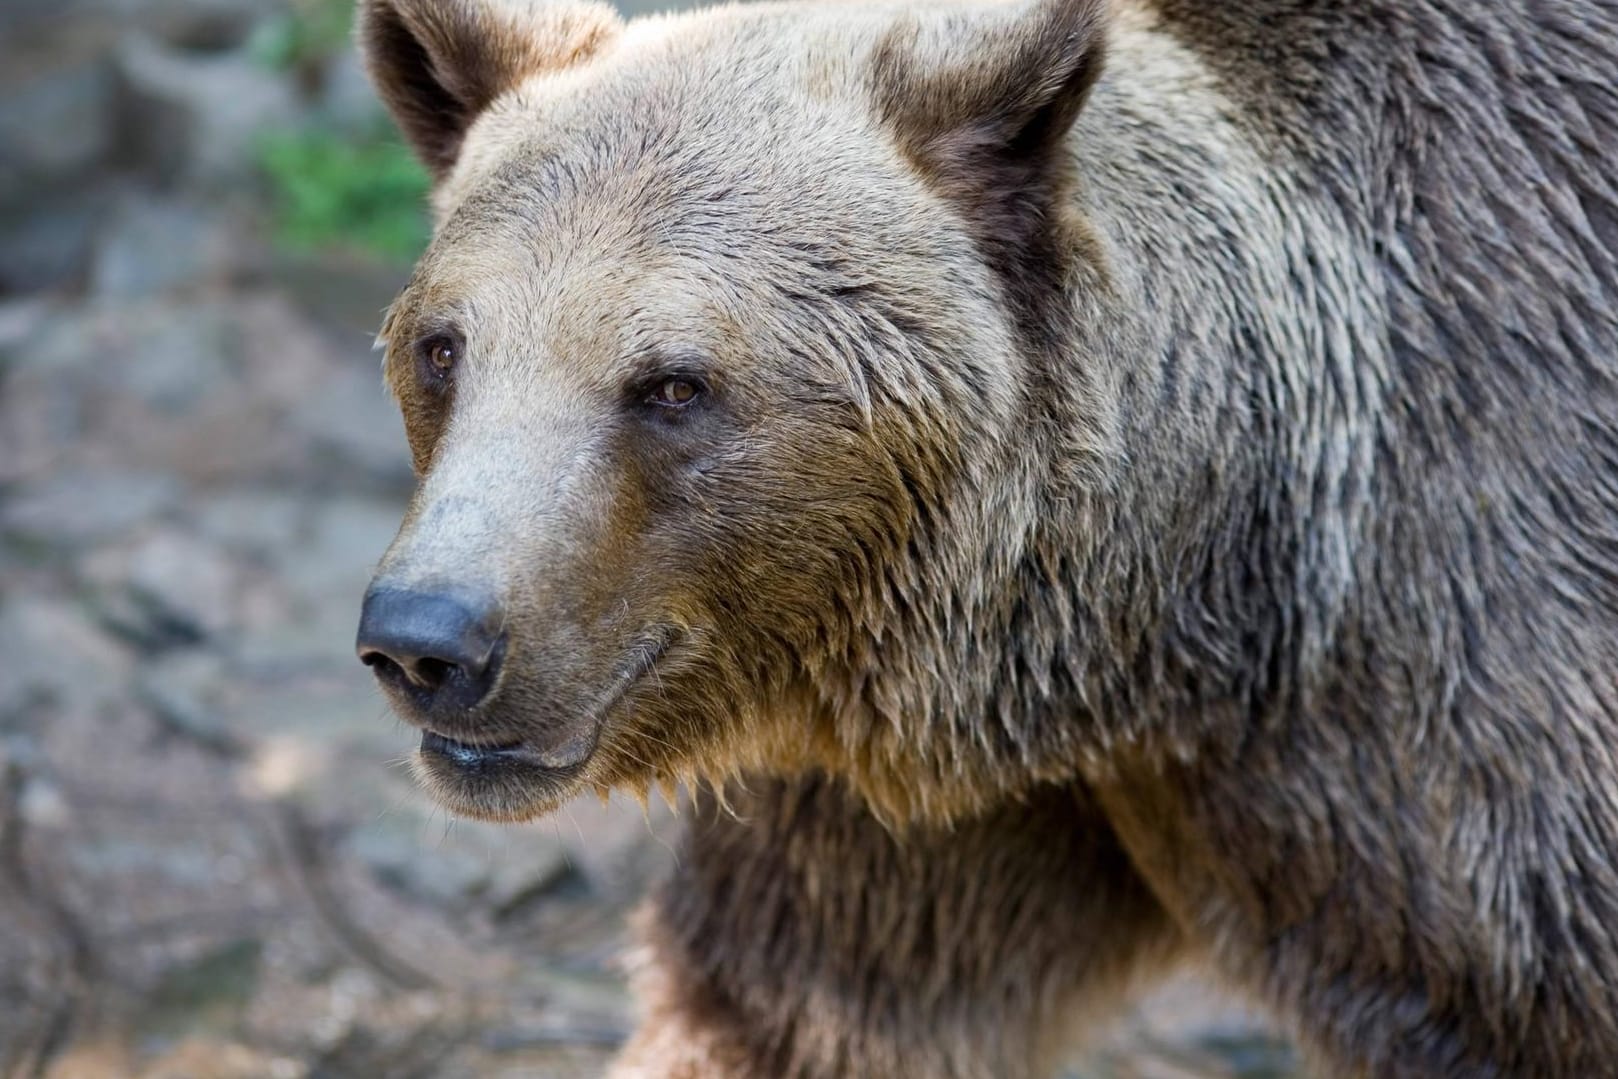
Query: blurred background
<point x="212" y="861"/>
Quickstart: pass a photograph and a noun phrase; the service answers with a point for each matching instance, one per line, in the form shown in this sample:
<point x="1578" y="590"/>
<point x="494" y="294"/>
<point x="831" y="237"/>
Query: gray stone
<point x="131" y="854"/>
<point x="205" y="994"/>
<point x="349" y="536"/>
<point x="526" y="874"/>
<point x="201" y="25"/>
<point x="179" y="358"/>
<point x="347" y="99"/>
<point x="55" y="339"/>
<point x="46" y="366"/>
<point x="401" y="857"/>
<point x="414" y="848"/>
<point x="265" y="522"/>
<point x="619" y="847"/>
<point x="55" y="654"/>
<point x="152" y="245"/>
<point x="356" y="427"/>
<point x="188" y="692"/>
<point x="48" y="239"/>
<point x="324" y="704"/>
<point x="55" y="120"/>
<point x="185" y="579"/>
<point x="165" y="587"/>
<point x="320" y="572"/>
<point x="102" y="385"/>
<point x="347" y="291"/>
<point x="20" y="320"/>
<point x="325" y="576"/>
<point x="194" y="118"/>
<point x="43" y="805"/>
<point x="72" y="509"/>
<point x="17" y="16"/>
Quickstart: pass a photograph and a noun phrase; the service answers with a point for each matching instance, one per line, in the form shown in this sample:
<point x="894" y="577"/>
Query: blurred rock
<point x="354" y="425"/>
<point x="192" y="117"/>
<point x="198" y="388"/>
<point x="185" y="579"/>
<point x="20" y="319"/>
<point x="394" y="851"/>
<point x="322" y="576"/>
<point x="620" y="847"/>
<point x="330" y="705"/>
<point x="165" y="587"/>
<point x="41" y="804"/>
<point x="172" y="859"/>
<point x="347" y="292"/>
<point x="347" y="99"/>
<point x="205" y="994"/>
<point x="200" y="1057"/>
<point x="176" y="360"/>
<point x="414" y="848"/>
<point x="263" y="522"/>
<point x="45" y="356"/>
<point x="153" y="245"/>
<point x="199" y="24"/>
<point x="56" y="655"/>
<point x="56" y="122"/>
<point x="79" y="508"/>
<point x="49" y="236"/>
<point x="187" y="692"/>
<point x="57" y="141"/>
<point x="327" y="573"/>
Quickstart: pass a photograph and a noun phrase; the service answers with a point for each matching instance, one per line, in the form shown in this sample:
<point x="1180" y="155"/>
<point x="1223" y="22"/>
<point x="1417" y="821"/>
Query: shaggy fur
<point x="1154" y="489"/>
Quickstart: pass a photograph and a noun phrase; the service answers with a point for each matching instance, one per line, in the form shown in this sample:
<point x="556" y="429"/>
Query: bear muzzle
<point x="505" y="734"/>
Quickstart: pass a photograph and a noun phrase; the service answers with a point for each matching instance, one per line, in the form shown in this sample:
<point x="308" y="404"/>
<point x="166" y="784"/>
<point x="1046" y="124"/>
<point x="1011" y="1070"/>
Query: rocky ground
<point x="212" y="863"/>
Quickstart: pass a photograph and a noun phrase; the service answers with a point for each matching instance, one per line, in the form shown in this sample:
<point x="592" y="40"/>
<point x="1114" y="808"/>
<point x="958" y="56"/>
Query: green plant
<point x="305" y="36"/>
<point x="335" y="191"/>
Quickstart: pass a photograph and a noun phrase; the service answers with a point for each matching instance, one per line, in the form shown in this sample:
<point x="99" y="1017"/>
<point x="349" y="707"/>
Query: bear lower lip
<point x="465" y="754"/>
<point x="561" y="760"/>
<point x="500" y="782"/>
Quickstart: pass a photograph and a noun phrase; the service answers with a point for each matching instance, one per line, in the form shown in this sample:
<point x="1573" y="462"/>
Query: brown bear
<point x="1070" y="485"/>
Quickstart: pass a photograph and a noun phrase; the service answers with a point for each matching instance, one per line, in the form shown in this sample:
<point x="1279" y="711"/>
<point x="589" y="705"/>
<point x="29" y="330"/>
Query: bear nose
<point x="445" y="651"/>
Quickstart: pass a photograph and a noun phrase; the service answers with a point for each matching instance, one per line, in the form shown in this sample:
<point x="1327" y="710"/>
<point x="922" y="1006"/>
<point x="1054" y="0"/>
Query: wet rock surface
<point x="212" y="860"/>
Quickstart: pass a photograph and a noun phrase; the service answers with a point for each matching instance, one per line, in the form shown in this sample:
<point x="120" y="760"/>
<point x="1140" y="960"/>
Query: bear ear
<point x="439" y="63"/>
<point x="980" y="99"/>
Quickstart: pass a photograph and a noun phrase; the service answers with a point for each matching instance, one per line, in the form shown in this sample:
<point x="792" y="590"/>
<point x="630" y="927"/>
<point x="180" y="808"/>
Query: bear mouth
<point x="501" y="781"/>
<point x="518" y="779"/>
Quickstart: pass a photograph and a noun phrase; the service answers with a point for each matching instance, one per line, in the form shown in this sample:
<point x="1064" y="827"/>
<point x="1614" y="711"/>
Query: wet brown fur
<point x="1157" y="498"/>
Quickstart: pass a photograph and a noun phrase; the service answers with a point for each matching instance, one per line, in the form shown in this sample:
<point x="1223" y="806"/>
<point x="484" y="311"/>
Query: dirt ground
<point x="212" y="863"/>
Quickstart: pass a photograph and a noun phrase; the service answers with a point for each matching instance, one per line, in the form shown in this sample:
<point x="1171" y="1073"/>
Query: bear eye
<point x="442" y="357"/>
<point x="438" y="356"/>
<point x="676" y="393"/>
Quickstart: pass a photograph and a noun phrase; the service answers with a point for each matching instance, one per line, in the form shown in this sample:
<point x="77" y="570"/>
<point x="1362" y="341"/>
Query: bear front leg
<point x="799" y="939"/>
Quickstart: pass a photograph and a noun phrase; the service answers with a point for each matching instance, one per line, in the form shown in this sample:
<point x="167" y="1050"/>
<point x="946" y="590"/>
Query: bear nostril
<point x="443" y="649"/>
<point x="379" y="662"/>
<point x="431" y="674"/>
<point x="425" y="673"/>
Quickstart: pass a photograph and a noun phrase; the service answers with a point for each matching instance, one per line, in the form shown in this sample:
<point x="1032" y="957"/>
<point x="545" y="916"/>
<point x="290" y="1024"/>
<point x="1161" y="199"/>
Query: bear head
<point x="722" y="376"/>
